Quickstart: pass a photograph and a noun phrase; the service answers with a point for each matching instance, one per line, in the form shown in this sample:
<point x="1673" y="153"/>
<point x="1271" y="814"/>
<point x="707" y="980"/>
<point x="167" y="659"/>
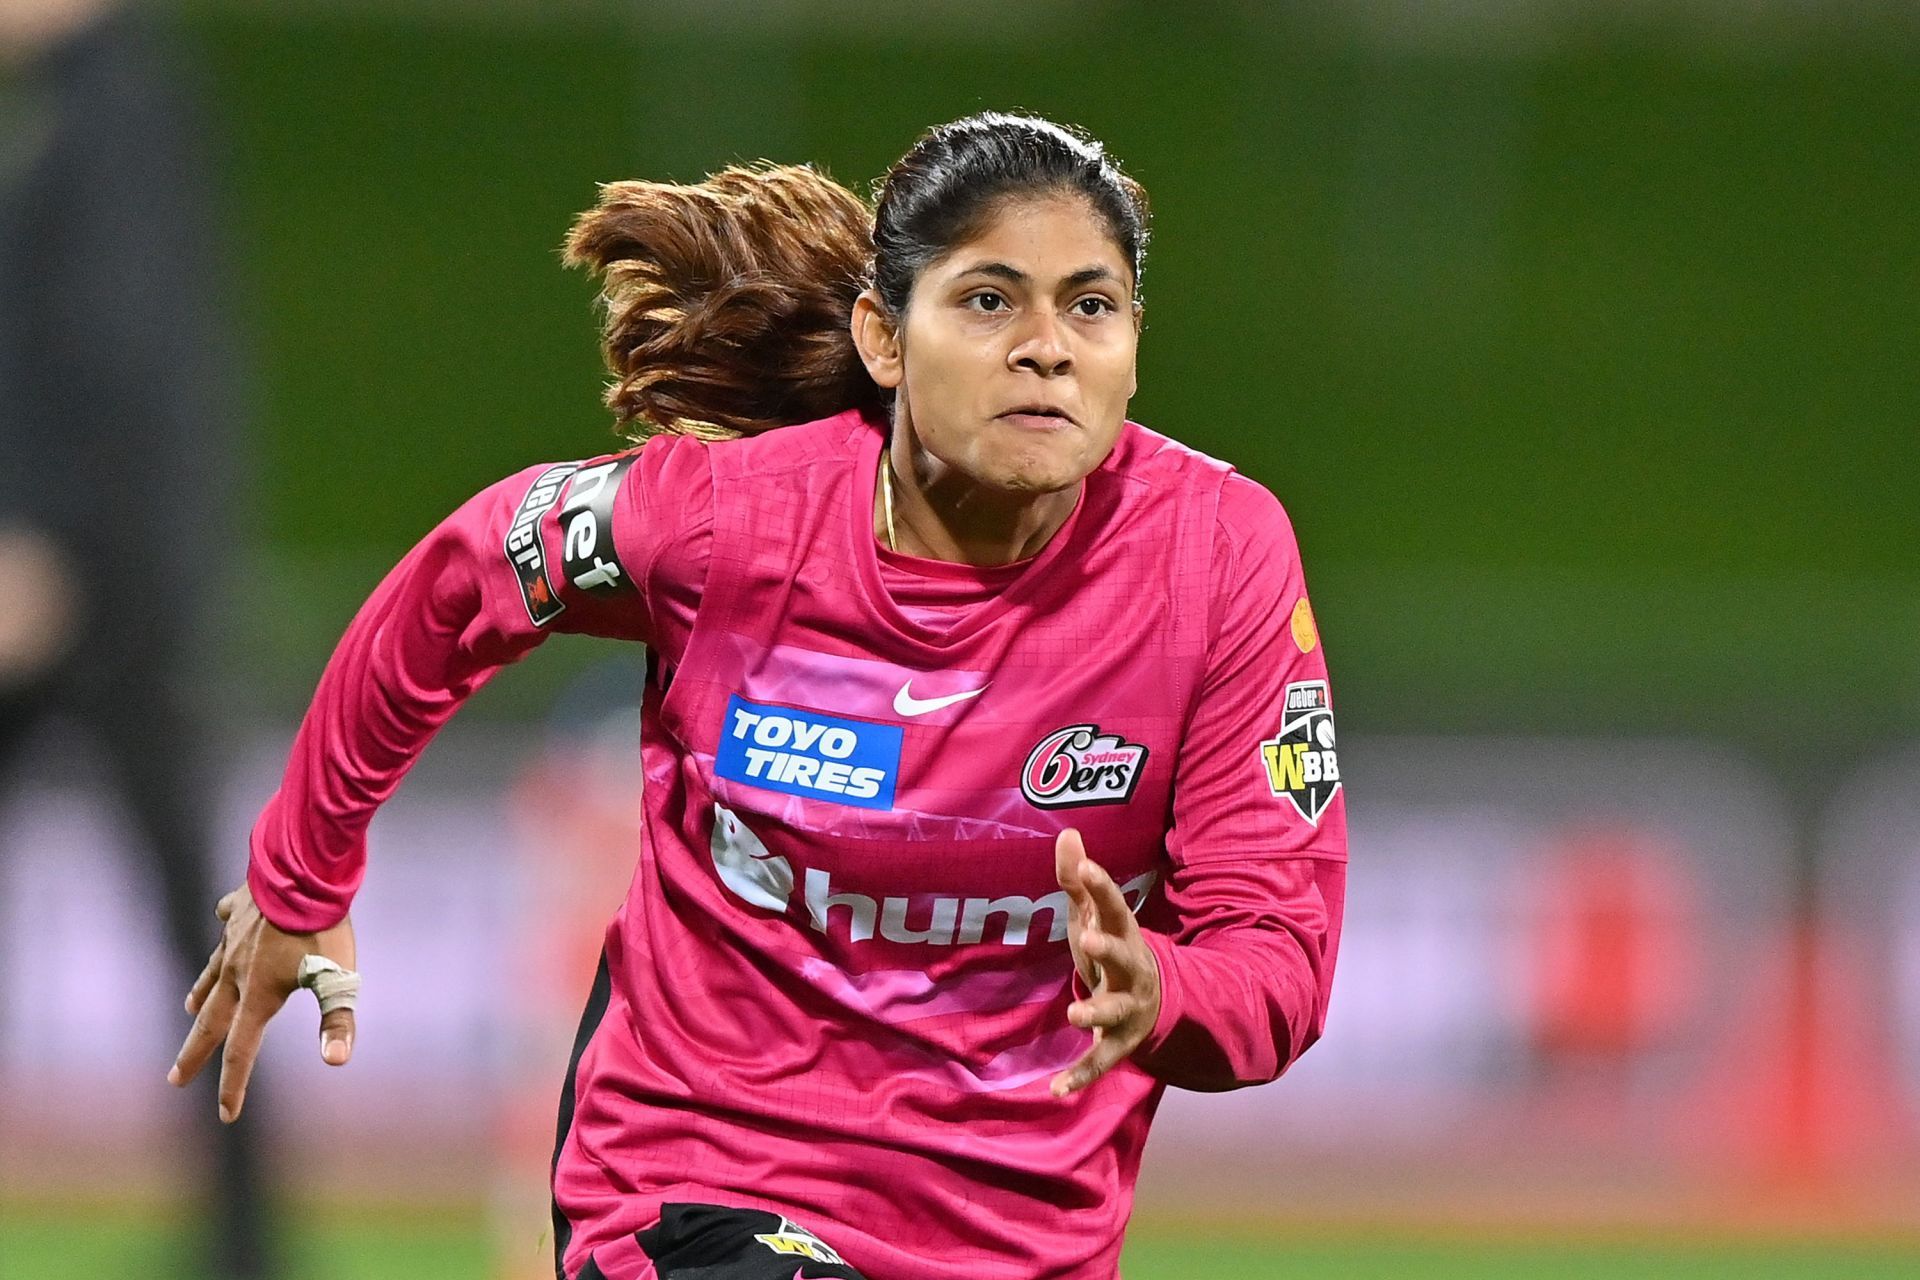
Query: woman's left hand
<point x="1114" y="960"/>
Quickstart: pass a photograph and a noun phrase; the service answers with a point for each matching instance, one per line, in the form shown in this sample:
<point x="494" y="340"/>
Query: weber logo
<point x="526" y="553"/>
<point x="587" y="554"/>
<point x="1079" y="765"/>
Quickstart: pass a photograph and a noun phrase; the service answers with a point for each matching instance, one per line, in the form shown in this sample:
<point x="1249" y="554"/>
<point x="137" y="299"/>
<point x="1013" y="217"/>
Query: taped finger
<point x="336" y="1037"/>
<point x="335" y="987"/>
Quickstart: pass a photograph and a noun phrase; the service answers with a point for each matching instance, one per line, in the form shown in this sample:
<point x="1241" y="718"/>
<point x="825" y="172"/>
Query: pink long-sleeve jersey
<point x="837" y="988"/>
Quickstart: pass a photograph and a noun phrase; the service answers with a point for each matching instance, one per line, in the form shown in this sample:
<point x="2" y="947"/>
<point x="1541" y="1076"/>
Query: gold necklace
<point x="886" y="497"/>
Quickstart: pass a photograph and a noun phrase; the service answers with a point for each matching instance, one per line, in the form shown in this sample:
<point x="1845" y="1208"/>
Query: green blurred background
<point x="1580" y="350"/>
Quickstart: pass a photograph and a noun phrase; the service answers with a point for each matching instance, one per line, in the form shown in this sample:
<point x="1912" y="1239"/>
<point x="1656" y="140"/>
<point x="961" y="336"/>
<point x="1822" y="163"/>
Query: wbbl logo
<point x="1301" y="762"/>
<point x="806" y="753"/>
<point x="1079" y="765"/>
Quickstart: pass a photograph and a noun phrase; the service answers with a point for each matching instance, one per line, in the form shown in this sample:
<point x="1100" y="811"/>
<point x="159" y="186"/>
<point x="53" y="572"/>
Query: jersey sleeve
<point x="1258" y="843"/>
<point x="612" y="546"/>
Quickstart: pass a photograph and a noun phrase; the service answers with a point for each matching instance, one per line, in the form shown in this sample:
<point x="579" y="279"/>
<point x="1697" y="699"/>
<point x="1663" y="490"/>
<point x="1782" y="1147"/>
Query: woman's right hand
<point x="249" y="976"/>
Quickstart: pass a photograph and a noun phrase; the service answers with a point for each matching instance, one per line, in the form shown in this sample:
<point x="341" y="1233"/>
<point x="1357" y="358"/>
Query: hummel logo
<point x="904" y="703"/>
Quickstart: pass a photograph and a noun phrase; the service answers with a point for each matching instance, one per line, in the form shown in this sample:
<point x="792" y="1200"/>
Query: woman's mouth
<point x="1037" y="421"/>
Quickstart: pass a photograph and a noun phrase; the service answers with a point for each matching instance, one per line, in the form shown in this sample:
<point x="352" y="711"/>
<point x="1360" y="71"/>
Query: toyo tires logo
<point x="809" y="753"/>
<point x="1079" y="765"/>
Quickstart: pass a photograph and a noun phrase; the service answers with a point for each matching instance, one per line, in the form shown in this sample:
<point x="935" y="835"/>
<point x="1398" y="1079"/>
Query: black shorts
<point x="712" y="1242"/>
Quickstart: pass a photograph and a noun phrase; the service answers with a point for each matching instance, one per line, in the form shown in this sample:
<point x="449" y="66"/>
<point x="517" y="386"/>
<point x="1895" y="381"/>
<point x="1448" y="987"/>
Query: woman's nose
<point x="1042" y="346"/>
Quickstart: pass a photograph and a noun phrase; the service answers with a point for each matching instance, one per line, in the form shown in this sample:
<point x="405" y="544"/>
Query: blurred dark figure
<point x="117" y="417"/>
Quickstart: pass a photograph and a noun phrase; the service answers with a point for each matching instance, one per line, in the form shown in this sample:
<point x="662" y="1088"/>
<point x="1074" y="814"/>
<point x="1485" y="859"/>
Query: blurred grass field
<point x="66" y="1241"/>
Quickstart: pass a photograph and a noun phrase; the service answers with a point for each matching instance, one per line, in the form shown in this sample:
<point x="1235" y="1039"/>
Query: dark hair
<point x="729" y="302"/>
<point x="951" y="184"/>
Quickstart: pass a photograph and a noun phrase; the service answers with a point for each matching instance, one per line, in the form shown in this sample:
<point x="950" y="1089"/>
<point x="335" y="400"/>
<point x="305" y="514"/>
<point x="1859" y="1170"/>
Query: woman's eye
<point x="999" y="303"/>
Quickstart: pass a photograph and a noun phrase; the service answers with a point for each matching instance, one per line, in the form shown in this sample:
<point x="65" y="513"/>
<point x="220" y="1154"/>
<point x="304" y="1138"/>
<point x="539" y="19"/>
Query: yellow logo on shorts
<point x="796" y="1241"/>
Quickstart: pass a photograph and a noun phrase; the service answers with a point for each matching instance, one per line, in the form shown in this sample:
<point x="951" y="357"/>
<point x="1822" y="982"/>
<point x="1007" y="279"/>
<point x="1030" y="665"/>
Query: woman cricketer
<point x="990" y="779"/>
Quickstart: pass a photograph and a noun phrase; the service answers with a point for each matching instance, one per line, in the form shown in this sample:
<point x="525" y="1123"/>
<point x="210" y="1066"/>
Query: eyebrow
<point x="1013" y="275"/>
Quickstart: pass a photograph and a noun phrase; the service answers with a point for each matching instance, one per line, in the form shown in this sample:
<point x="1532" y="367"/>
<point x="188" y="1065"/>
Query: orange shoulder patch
<point x="1305" y="634"/>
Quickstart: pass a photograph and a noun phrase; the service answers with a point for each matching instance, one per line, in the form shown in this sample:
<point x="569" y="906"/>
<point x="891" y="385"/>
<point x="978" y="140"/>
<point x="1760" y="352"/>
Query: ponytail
<point x="728" y="302"/>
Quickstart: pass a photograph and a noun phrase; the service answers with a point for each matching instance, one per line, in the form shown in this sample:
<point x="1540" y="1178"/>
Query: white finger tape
<point x="337" y="988"/>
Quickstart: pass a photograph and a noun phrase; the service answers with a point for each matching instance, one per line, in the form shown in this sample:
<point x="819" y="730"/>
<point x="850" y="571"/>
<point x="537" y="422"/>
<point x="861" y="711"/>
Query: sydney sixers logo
<point x="1079" y="765"/>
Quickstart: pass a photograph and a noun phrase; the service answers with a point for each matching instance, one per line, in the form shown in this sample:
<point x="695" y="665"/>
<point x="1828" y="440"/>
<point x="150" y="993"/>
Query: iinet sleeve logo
<point x="761" y="878"/>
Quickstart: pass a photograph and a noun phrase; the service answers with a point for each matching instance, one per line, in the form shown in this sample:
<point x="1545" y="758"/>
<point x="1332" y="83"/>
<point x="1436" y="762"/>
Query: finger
<point x="1069" y="858"/>
<point x="243" y="1047"/>
<point x="1107" y="1009"/>
<point x="1109" y="904"/>
<point x="202" y="985"/>
<point x="336" y="1037"/>
<point x="1107" y="1050"/>
<point x="224" y="907"/>
<point x="337" y="1028"/>
<point x="1072" y="1078"/>
<point x="208" y="1030"/>
<point x="1069" y="863"/>
<point x="1121" y="959"/>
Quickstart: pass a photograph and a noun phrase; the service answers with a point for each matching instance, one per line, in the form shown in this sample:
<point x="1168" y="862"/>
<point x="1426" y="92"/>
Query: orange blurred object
<point x="1615" y="956"/>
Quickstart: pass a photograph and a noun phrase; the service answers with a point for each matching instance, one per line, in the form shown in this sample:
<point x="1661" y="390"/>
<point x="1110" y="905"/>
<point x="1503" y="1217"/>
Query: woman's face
<point x="1034" y="312"/>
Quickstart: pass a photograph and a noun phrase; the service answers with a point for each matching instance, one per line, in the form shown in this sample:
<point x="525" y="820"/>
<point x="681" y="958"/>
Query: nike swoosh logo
<point x="904" y="703"/>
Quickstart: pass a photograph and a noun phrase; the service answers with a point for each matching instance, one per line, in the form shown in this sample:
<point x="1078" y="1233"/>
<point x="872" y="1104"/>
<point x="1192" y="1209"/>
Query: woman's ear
<point x="877" y="341"/>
